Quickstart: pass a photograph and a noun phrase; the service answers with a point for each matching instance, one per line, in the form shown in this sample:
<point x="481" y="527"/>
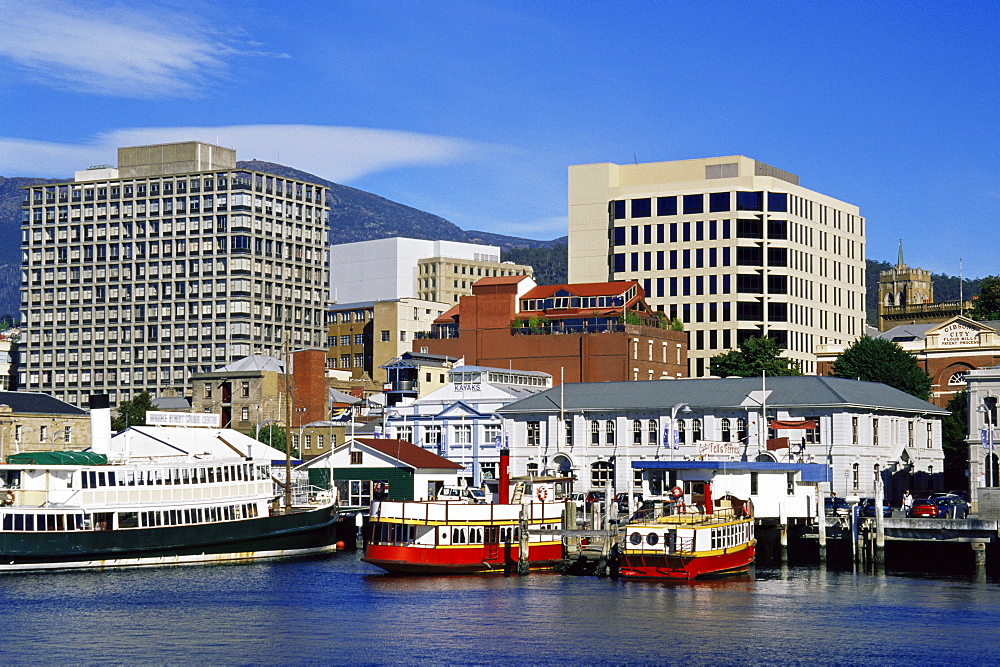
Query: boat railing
<point x="687" y="515"/>
<point x="451" y="512"/>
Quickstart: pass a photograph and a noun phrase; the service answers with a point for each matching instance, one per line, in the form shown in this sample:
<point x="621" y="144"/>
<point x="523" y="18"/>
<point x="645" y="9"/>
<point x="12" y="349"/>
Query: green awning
<point x="58" y="458"/>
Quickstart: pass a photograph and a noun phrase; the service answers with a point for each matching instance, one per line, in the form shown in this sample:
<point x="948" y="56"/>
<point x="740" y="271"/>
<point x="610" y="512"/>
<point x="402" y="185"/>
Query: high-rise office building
<point x="730" y="246"/>
<point x="175" y="262"/>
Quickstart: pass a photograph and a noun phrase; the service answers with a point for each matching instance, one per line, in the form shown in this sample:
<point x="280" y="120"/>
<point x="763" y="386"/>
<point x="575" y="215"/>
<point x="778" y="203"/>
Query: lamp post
<point x="260" y="425"/>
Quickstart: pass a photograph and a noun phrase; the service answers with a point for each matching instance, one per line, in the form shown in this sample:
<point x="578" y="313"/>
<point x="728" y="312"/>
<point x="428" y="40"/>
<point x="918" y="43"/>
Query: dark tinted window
<point x="618" y="263"/>
<point x="718" y="202"/>
<point x="666" y="206"/>
<point x="749" y="310"/>
<point x="777" y="257"/>
<point x="749" y="257"/>
<point x="694" y="204"/>
<point x="749" y="284"/>
<point x="749" y="201"/>
<point x="641" y="208"/>
<point x="749" y="229"/>
<point x="619" y="236"/>
<point x="777" y="284"/>
<point x="777" y="202"/>
<point x="777" y="229"/>
<point x="777" y="312"/>
<point x="618" y="209"/>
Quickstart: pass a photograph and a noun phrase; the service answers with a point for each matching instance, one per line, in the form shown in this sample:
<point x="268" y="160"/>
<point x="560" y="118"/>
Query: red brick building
<point x="946" y="350"/>
<point x="590" y="332"/>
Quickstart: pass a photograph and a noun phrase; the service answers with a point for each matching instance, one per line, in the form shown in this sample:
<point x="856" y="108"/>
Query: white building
<point x="983" y="387"/>
<point x="459" y="421"/>
<point x="862" y="430"/>
<point x="394" y="268"/>
<point x="730" y="246"/>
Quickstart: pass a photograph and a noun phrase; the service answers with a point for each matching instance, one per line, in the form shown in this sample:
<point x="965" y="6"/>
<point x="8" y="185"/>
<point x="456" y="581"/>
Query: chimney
<point x="100" y="424"/>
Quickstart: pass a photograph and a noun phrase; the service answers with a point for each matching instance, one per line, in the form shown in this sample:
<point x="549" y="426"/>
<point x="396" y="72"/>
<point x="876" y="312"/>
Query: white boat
<point x="106" y="509"/>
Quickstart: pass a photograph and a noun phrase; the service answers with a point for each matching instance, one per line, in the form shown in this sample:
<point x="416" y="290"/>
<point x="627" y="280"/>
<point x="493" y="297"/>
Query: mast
<point x="288" y="431"/>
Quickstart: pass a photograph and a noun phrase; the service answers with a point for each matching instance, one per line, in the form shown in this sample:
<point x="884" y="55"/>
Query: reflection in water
<point x="338" y="610"/>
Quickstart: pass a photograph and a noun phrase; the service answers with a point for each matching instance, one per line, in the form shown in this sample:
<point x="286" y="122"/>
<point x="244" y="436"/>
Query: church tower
<point x="899" y="290"/>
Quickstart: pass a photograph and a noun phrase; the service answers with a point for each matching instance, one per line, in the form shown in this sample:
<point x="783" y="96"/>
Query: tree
<point x="880" y="360"/>
<point x="132" y="412"/>
<point x="986" y="306"/>
<point x="756" y="355"/>
<point x="956" y="450"/>
<point x="274" y="435"/>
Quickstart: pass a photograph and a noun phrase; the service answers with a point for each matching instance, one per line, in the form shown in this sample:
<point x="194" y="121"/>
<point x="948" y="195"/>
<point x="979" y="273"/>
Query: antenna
<point x="961" y="286"/>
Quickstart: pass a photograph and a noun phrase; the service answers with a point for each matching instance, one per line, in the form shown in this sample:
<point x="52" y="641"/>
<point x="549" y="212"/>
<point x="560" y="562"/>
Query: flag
<point x="984" y="436"/>
<point x="341" y="414"/>
<point x="677" y="439"/>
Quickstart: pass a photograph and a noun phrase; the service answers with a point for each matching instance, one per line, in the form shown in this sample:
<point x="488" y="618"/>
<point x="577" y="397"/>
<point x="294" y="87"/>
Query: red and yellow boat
<point x="671" y="541"/>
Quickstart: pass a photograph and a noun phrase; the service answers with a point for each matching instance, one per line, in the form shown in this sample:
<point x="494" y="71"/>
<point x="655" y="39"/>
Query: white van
<point x="462" y="494"/>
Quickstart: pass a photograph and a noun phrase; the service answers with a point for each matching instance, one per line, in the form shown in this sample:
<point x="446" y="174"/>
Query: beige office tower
<point x="730" y="246"/>
<point x="175" y="262"/>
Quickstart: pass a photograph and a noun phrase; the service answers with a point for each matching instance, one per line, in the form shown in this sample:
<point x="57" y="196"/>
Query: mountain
<point x="356" y="215"/>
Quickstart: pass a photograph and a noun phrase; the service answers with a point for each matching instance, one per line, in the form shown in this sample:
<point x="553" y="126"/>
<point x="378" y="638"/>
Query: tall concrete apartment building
<point x="731" y="246"/>
<point x="176" y="262"/>
<point x="394" y="268"/>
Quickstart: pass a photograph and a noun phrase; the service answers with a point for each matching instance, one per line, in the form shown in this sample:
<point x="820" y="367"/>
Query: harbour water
<point x="340" y="610"/>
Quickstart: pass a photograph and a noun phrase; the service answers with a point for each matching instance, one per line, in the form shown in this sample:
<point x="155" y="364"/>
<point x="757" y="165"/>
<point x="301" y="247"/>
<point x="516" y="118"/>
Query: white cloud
<point x="112" y="50"/>
<point x="339" y="154"/>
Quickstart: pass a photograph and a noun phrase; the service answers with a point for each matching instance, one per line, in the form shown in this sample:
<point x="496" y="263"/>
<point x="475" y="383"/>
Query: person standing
<point x="907" y="503"/>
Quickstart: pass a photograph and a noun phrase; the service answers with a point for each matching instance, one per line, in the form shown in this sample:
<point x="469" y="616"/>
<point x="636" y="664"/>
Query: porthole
<point x="635" y="538"/>
<point x="652" y="539"/>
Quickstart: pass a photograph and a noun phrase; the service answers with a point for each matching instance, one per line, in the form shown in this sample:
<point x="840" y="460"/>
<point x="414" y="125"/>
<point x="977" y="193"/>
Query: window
<point x="569" y="431"/>
<point x="855" y="475"/>
<point x="749" y="201"/>
<point x="245" y="389"/>
<point x="636" y="432"/>
<point x="208" y="390"/>
<point x="601" y="473"/>
<point x="909" y="432"/>
<point x="245" y="413"/>
<point x="726" y="430"/>
<point x="695" y="430"/>
<point x="463" y="435"/>
<point x="694" y="204"/>
<point x="356" y="458"/>
<point x="641" y="208"/>
<point x="875" y="432"/>
<point x="778" y="202"/>
<point x="666" y="206"/>
<point x="534" y="434"/>
<point x="854" y="430"/>
<point x="718" y="202"/>
<point x="654" y="432"/>
<point x="595" y="432"/>
<point x="609" y="432"/>
<point x="385" y="336"/>
<point x="681" y="428"/>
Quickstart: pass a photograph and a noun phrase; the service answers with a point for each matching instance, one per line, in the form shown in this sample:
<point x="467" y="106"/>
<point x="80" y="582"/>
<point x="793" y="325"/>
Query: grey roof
<point x="341" y="397"/>
<point x="806" y="391"/>
<point x="905" y="332"/>
<point x="172" y="403"/>
<point x="255" y="362"/>
<point x="460" y="369"/>
<point x="31" y="402"/>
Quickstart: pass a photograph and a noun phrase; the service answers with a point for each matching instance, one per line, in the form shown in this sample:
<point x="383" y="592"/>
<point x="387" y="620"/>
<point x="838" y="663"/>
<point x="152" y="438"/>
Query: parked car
<point x="836" y="506"/>
<point x="942" y="507"/>
<point x="595" y="501"/>
<point x="579" y="498"/>
<point x="462" y="494"/>
<point x="624" y="502"/>
<point x="867" y="507"/>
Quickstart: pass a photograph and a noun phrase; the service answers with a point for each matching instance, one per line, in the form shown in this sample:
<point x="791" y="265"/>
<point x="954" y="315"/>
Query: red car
<point x="925" y="508"/>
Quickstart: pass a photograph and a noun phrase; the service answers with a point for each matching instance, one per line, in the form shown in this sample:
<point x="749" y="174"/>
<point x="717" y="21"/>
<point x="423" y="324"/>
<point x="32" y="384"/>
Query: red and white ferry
<point x="453" y="537"/>
<point x="668" y="540"/>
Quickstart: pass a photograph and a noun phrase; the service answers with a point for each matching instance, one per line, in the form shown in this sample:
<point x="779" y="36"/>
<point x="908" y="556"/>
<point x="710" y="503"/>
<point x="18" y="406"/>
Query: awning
<point x="58" y="458"/>
<point x="789" y="425"/>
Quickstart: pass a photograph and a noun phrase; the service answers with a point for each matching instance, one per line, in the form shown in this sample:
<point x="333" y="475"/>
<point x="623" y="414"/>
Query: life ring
<point x="677" y="492"/>
<point x="542" y="493"/>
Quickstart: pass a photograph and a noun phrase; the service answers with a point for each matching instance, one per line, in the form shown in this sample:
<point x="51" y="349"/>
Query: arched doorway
<point x="992" y="468"/>
<point x="561" y="465"/>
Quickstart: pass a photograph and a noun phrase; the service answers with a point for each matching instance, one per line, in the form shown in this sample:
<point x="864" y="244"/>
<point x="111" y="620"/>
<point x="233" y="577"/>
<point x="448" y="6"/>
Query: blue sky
<point x="474" y="110"/>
